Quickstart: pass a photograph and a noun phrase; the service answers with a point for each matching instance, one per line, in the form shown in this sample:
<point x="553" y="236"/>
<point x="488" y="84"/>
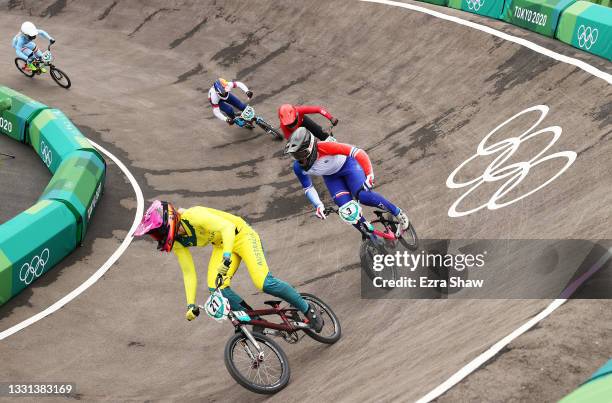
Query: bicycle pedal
<point x="272" y="332"/>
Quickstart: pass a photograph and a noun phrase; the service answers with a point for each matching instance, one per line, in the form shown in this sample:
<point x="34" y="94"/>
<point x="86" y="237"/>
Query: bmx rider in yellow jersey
<point x="233" y="241"/>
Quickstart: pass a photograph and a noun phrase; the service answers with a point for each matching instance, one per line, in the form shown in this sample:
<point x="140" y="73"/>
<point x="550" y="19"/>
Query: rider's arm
<point x="286" y="131"/>
<point x="213" y="98"/>
<point x="190" y="277"/>
<point x="240" y="85"/>
<point x="350" y="151"/>
<point x="44" y="34"/>
<point x="217" y="112"/>
<point x="309" y="190"/>
<point x="310" y="109"/>
<point x="212" y="222"/>
<point x="18" y="43"/>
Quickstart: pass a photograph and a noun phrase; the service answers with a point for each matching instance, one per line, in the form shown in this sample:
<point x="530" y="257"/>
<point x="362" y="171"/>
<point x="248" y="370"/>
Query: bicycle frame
<point x="286" y="326"/>
<point x="366" y="232"/>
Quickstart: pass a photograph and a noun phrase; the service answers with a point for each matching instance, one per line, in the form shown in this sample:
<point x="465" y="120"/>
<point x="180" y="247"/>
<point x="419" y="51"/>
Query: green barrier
<point x="5" y="104"/>
<point x="438" y="2"/>
<point x="595" y="390"/>
<point x="78" y="182"/>
<point x="54" y="137"/>
<point x="540" y="16"/>
<point x="14" y="121"/>
<point x="32" y="243"/>
<point x="587" y="26"/>
<point x="489" y="8"/>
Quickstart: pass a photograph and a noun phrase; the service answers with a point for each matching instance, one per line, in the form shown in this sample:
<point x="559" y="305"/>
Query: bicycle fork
<point x="260" y="353"/>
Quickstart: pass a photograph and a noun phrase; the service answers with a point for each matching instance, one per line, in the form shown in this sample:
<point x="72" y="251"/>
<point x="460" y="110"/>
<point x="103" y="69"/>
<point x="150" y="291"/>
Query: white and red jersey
<point x="332" y="156"/>
<point x="214" y="98"/>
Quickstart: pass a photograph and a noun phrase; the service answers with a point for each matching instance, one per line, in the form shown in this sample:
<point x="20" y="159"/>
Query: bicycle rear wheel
<point x="267" y="373"/>
<point x="332" y="331"/>
<point x="60" y="77"/>
<point x="367" y="251"/>
<point x="21" y="66"/>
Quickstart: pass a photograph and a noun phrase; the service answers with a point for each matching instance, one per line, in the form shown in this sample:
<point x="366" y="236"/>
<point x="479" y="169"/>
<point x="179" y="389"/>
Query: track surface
<point x="417" y="93"/>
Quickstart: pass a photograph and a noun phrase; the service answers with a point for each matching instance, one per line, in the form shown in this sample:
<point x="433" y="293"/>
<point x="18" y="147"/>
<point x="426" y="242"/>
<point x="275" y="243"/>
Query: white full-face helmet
<point x="29" y="30"/>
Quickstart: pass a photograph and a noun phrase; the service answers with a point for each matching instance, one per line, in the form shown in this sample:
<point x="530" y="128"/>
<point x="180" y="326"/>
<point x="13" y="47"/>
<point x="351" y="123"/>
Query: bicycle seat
<point x="272" y="302"/>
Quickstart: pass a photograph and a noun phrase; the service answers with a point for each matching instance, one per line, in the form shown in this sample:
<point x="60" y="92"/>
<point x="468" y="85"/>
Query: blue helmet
<point x="221" y="88"/>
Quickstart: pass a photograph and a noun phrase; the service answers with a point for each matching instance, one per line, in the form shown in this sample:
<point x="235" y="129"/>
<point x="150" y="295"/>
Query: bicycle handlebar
<point x="329" y="210"/>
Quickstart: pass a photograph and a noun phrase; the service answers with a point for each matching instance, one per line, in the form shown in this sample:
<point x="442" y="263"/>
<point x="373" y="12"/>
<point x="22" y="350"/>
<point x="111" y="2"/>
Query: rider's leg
<point x="355" y="178"/>
<point x="235" y="300"/>
<point x="314" y="128"/>
<point x="248" y="246"/>
<point x="28" y="51"/>
<point x="339" y="190"/>
<point x="227" y="109"/>
<point x="235" y="102"/>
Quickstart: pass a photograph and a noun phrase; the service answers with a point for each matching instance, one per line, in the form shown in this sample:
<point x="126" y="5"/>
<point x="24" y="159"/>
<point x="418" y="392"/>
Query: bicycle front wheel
<point x="269" y="129"/>
<point x="60" y="78"/>
<point x="265" y="372"/>
<point x="21" y="66"/>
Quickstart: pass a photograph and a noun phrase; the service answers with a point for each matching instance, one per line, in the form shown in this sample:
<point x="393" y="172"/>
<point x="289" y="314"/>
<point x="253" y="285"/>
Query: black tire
<point x="60" y="77"/>
<point x="329" y="317"/>
<point x="269" y="129"/>
<point x="20" y="64"/>
<point x="409" y="239"/>
<point x="366" y="255"/>
<point x="271" y="350"/>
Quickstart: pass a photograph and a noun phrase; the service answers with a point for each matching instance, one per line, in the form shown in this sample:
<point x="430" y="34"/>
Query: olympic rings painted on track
<point x="514" y="173"/>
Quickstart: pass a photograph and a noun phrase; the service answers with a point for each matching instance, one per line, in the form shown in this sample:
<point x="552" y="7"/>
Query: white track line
<point x="497" y="347"/>
<point x="100" y="272"/>
<point x="521" y="41"/>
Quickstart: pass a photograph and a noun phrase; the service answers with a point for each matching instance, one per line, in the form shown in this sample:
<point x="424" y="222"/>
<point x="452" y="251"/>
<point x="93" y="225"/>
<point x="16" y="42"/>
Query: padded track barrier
<point x="53" y="136"/>
<point x="14" y="121"/>
<point x="596" y="389"/>
<point x="37" y="239"/>
<point x="587" y="26"/>
<point x="489" y="8"/>
<point x="33" y="242"/>
<point x="541" y="16"/>
<point x="78" y="183"/>
<point x="438" y="2"/>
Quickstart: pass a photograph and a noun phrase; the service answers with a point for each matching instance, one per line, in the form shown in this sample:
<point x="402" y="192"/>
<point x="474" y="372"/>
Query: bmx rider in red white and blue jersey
<point x="224" y="102"/>
<point x="346" y="171"/>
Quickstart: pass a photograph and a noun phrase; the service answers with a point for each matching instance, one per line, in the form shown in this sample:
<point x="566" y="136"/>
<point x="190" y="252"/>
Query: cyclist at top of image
<point x="26" y="48"/>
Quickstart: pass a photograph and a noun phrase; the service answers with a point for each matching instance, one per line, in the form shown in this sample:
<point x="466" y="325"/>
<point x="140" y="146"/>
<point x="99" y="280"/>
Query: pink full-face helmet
<point x="161" y="222"/>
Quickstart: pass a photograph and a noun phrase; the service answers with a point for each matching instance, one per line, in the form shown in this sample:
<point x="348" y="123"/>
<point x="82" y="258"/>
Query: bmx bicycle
<point x="252" y="358"/>
<point x="248" y="119"/>
<point x="46" y="60"/>
<point x="378" y="237"/>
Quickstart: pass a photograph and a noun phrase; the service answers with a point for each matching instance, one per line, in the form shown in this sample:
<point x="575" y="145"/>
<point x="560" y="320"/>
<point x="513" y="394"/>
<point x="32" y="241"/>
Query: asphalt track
<point x="416" y="92"/>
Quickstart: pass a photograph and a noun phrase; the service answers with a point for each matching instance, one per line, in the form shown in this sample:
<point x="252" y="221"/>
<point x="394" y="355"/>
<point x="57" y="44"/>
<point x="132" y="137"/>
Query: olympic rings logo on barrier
<point x="475" y="4"/>
<point x="34" y="269"/>
<point x="514" y="173"/>
<point x="587" y="36"/>
<point x="46" y="154"/>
